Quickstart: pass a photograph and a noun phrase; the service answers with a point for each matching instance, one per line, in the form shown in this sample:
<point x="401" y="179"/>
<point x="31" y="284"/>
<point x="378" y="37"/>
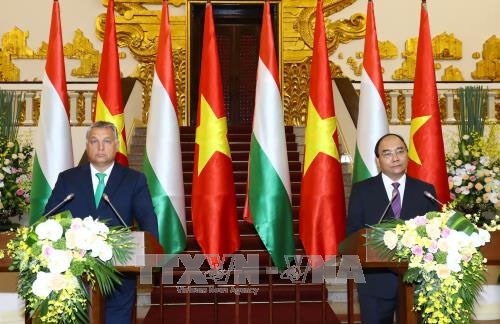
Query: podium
<point x="145" y="243"/>
<point x="355" y="244"/>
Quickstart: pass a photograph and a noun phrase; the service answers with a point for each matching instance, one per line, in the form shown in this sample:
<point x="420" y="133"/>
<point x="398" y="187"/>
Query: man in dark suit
<point x="128" y="192"/>
<point x="369" y="198"/>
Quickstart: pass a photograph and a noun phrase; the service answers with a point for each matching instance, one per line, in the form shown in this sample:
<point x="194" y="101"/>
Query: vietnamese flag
<point x="109" y="106"/>
<point x="322" y="200"/>
<point x="213" y="197"/>
<point x="426" y="153"/>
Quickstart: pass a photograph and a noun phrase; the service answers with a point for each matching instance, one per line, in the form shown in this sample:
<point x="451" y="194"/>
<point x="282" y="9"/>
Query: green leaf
<point x="460" y="223"/>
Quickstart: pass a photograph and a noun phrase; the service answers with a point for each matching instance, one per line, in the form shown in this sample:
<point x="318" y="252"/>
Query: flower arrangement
<point x="55" y="255"/>
<point x="444" y="262"/>
<point x="473" y="176"/>
<point x="15" y="159"/>
<point x="15" y="178"/>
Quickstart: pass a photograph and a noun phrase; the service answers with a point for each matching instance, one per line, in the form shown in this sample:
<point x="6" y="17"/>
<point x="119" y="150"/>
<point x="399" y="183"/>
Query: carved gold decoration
<point x="83" y="50"/>
<point x="359" y="55"/>
<point x="437" y="66"/>
<point x="8" y="71"/>
<point x="476" y="55"/>
<point x="340" y="56"/>
<point x="355" y="66"/>
<point x="15" y="43"/>
<point x="340" y="31"/>
<point x="36" y="107"/>
<point x="444" y="46"/>
<point x="452" y="73"/>
<point x="296" y="90"/>
<point x="387" y="50"/>
<point x="447" y="47"/>
<point x="80" y="108"/>
<point x="489" y="67"/>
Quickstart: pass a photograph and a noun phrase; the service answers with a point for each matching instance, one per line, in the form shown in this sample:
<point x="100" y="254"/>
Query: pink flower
<point x="47" y="250"/>
<point x="27" y="200"/>
<point x="19" y="192"/>
<point x="434" y="246"/>
<point x="428" y="257"/>
<point x="420" y="220"/>
<point x="445" y="232"/>
<point x="453" y="196"/>
<point x="472" y="178"/>
<point x="417" y="250"/>
<point x="458" y="190"/>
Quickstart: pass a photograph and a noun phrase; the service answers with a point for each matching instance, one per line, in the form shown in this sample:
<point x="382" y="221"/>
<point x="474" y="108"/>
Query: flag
<point x="53" y="149"/>
<point x="213" y="197"/>
<point x="426" y="153"/>
<point x="372" y="119"/>
<point x="163" y="159"/>
<point x="109" y="106"/>
<point x="322" y="201"/>
<point x="268" y="203"/>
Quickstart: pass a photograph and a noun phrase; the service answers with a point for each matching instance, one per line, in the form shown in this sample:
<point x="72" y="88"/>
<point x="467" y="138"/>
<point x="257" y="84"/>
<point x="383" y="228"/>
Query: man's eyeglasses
<point x="391" y="154"/>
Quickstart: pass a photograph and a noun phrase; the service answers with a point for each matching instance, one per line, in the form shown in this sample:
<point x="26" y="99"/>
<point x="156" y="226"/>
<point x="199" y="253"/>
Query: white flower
<point x="453" y="260"/>
<point x="484" y="160"/>
<point x="480" y="238"/>
<point x="81" y="238"/>
<point x="433" y="228"/>
<point x="59" y="261"/>
<point x="442" y="244"/>
<point x="21" y="156"/>
<point x="14" y="156"/>
<point x="6" y="161"/>
<point x="457" y="180"/>
<point x="442" y="271"/>
<point x="102" y="250"/>
<point x="10" y="144"/>
<point x="41" y="285"/>
<point x="59" y="281"/>
<point x="50" y="229"/>
<point x="2" y="176"/>
<point x="390" y="239"/>
<point x="409" y="238"/>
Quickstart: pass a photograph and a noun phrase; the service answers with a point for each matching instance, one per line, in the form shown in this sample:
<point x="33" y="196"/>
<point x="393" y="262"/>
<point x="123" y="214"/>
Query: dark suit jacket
<point x="366" y="204"/>
<point x="127" y="190"/>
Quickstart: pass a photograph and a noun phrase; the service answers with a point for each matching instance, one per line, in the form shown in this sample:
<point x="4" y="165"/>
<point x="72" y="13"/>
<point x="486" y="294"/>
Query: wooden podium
<point x="145" y="243"/>
<point x="369" y="258"/>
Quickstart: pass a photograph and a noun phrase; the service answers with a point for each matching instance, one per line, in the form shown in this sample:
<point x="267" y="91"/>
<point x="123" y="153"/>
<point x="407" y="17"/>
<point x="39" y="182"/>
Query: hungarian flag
<point x="53" y="150"/>
<point x="213" y="197"/>
<point x="163" y="160"/>
<point x="426" y="152"/>
<point x="372" y="119"/>
<point x="109" y="106"/>
<point x="268" y="202"/>
<point x="322" y="201"/>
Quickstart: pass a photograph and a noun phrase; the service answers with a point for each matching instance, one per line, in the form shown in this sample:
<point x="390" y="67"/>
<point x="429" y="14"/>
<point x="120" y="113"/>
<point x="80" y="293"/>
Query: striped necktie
<point x="396" y="201"/>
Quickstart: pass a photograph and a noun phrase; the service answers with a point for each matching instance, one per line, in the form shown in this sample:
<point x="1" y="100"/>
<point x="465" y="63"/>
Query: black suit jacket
<point x="366" y="204"/>
<point x="127" y="190"/>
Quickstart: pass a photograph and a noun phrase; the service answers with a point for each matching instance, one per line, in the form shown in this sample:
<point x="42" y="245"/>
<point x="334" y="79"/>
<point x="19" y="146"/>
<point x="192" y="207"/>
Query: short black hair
<point x="387" y="135"/>
<point x="102" y="124"/>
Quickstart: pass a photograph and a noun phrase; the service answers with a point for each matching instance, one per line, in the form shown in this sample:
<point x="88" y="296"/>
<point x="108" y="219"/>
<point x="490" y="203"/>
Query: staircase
<point x="276" y="300"/>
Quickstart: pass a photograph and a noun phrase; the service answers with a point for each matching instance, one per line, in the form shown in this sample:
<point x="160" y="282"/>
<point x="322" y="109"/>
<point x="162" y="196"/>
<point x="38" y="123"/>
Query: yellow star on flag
<point x="118" y="120"/>
<point x="211" y="135"/>
<point x="319" y="136"/>
<point x="416" y="123"/>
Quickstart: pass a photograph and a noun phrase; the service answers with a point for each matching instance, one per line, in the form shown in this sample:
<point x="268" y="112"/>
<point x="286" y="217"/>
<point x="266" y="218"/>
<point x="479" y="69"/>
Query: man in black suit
<point x="369" y="198"/>
<point x="127" y="190"/>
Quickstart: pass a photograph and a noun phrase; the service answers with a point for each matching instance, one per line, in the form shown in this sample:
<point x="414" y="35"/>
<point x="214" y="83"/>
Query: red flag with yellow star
<point x="426" y="153"/>
<point x="322" y="201"/>
<point x="109" y="106"/>
<point x="213" y="196"/>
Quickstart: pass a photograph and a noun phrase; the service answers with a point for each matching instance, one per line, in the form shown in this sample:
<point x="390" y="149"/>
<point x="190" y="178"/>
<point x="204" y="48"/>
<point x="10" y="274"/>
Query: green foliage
<point x="472" y="110"/>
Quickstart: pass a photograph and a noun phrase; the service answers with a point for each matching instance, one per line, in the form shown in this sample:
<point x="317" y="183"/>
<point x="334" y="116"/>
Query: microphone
<point x="106" y="198"/>
<point x="65" y="200"/>
<point x="394" y="194"/>
<point x="431" y="197"/>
